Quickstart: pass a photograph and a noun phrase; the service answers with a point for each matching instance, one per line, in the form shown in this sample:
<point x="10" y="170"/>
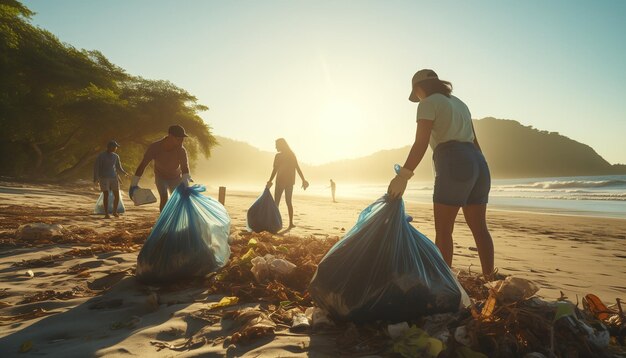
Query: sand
<point x="105" y="312"/>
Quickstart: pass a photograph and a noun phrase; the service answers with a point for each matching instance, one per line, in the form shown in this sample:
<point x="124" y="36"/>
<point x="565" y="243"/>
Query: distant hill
<point x="512" y="151"/>
<point x="234" y="161"/>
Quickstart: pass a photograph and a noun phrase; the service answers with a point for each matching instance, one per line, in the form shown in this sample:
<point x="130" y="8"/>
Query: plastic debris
<point x="319" y="318"/>
<point x="253" y="324"/>
<point x="143" y="196"/>
<point x="462" y="336"/>
<point x="263" y="268"/>
<point x="415" y="342"/>
<point x="39" y="232"/>
<point x="224" y="302"/>
<point x="300" y="323"/>
<point x="514" y="289"/>
<point x="396" y="330"/>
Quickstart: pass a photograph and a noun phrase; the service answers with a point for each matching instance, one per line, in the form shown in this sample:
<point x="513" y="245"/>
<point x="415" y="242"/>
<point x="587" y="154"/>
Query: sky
<point x="333" y="77"/>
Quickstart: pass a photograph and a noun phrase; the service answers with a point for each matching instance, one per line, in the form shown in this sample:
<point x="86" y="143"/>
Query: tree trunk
<point x="39" y="153"/>
<point x="65" y="144"/>
<point x="87" y="158"/>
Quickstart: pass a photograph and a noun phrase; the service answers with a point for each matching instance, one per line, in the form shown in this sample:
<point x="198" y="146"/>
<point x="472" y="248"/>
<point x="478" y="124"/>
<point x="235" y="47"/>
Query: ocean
<point x="602" y="196"/>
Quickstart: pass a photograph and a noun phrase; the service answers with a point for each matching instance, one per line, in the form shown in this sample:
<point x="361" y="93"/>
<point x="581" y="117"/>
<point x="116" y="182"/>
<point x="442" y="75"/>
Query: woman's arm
<point x="422" y="136"/>
<point x="305" y="184"/>
<point x="273" y="174"/>
<point x="274" y="171"/>
<point x="299" y="171"/>
<point x="397" y="186"/>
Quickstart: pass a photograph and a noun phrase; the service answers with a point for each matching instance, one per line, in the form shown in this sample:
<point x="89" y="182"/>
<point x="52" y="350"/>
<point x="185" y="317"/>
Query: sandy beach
<point x="80" y="298"/>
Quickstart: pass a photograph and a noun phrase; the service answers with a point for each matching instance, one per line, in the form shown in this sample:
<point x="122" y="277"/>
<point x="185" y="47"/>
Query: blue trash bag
<point x="99" y="209"/>
<point x="263" y="215"/>
<point x="190" y="238"/>
<point x="384" y="269"/>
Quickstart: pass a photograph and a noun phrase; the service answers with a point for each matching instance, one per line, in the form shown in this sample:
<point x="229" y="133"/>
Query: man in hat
<point x="105" y="173"/>
<point x="170" y="164"/>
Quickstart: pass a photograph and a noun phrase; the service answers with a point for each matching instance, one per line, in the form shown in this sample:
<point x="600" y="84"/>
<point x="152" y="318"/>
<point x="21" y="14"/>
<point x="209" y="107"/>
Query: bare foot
<point x="107" y="216"/>
<point x="291" y="226"/>
<point x="116" y="215"/>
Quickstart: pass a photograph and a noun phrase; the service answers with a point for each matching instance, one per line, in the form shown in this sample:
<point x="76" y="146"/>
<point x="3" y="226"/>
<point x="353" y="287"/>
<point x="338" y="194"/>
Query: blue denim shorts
<point x="461" y="175"/>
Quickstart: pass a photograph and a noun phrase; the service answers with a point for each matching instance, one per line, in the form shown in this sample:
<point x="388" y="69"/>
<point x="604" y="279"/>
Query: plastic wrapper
<point x="99" y="209"/>
<point x="383" y="268"/>
<point x="263" y="215"/>
<point x="189" y="239"/>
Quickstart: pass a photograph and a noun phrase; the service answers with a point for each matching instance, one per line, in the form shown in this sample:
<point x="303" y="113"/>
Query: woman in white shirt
<point x="462" y="178"/>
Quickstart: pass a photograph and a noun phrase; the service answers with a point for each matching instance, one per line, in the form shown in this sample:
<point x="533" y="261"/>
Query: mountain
<point x="512" y="151"/>
<point x="236" y="162"/>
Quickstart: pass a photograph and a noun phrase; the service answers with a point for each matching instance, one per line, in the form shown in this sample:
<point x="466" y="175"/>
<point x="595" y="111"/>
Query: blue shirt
<point x="107" y="165"/>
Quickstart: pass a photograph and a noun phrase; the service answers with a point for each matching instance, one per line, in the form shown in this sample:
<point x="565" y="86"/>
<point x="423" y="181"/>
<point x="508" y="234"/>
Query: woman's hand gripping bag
<point x="189" y="239"/>
<point x="264" y="215"/>
<point x="384" y="269"/>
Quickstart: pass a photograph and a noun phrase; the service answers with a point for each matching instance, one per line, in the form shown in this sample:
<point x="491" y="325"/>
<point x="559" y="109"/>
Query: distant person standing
<point x="285" y="167"/>
<point x="105" y="171"/>
<point x="170" y="164"/>
<point x="333" y="187"/>
<point x="462" y="178"/>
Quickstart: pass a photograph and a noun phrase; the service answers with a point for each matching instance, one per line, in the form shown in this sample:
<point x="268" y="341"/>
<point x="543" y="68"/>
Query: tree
<point x="60" y="105"/>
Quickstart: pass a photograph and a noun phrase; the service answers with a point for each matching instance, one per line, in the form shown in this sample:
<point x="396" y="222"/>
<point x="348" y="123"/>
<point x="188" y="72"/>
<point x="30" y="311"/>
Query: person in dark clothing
<point x="105" y="172"/>
<point x="285" y="168"/>
<point x="171" y="166"/>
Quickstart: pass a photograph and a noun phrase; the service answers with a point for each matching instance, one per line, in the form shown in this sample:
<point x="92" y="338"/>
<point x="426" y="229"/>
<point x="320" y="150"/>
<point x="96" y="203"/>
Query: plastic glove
<point x="134" y="185"/>
<point x="268" y="184"/>
<point x="187" y="179"/>
<point x="397" y="186"/>
<point x="305" y="184"/>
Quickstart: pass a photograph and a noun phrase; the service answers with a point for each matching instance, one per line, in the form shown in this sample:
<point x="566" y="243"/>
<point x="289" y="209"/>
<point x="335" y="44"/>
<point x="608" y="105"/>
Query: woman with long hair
<point x="285" y="168"/>
<point x="462" y="178"/>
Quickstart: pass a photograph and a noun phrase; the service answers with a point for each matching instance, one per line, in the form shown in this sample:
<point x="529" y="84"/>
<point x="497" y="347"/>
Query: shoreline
<point x="490" y="206"/>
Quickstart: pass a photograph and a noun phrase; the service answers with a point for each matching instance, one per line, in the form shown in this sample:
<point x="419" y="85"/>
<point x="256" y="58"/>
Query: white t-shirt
<point x="452" y="119"/>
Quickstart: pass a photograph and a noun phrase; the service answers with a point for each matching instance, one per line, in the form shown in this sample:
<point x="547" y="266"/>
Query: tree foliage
<point x="59" y="105"/>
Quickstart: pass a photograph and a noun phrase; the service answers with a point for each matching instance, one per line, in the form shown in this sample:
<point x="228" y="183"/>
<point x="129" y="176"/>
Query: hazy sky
<point x="333" y="77"/>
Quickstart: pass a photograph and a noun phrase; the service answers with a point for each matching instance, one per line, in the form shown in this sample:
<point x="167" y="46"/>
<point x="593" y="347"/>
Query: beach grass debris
<point x="130" y="323"/>
<point x="48" y="295"/>
<point x="252" y="324"/>
<point x="224" y="302"/>
<point x="26" y="346"/>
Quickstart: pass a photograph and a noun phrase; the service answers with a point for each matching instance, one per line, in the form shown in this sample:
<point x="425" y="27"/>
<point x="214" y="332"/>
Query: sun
<point x="338" y="126"/>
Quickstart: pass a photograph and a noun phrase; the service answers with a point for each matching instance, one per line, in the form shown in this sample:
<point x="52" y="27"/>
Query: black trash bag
<point x="190" y="238"/>
<point x="263" y="215"/>
<point x="384" y="269"/>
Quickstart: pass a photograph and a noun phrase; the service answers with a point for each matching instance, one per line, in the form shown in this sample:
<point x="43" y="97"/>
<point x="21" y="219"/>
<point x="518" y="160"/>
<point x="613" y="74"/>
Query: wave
<point x="571" y="184"/>
<point x="590" y="196"/>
